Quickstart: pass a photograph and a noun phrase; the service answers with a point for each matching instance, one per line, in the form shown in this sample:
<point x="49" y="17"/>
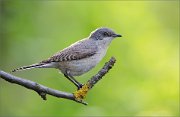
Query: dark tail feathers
<point x="37" y="65"/>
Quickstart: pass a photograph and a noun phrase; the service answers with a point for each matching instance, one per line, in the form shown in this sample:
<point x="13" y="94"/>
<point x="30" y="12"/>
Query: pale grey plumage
<point x="81" y="56"/>
<point x="79" y="50"/>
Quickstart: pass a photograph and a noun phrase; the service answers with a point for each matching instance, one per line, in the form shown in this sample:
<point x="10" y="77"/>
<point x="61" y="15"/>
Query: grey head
<point x="102" y="33"/>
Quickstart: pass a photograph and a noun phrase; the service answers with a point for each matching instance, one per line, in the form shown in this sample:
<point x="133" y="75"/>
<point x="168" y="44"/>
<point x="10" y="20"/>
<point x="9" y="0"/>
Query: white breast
<point x="79" y="67"/>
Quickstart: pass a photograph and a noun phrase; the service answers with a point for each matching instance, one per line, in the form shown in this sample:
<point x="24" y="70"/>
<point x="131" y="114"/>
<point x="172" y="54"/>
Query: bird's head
<point x="103" y="34"/>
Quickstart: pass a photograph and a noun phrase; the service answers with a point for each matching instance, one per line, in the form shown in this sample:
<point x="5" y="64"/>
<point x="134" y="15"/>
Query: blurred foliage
<point x="144" y="81"/>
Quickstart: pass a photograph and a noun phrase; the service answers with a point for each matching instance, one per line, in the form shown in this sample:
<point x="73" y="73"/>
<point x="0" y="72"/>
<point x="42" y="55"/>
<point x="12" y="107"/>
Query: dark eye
<point x="106" y="34"/>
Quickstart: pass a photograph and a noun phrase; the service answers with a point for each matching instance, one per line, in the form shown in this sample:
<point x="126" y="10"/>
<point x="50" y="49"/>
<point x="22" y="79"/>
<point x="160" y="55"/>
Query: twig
<point x="81" y="93"/>
<point x="108" y="65"/>
<point x="78" y="96"/>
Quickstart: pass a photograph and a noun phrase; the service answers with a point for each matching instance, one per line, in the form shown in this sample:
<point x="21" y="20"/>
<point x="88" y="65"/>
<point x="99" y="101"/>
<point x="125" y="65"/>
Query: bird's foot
<point x="79" y="86"/>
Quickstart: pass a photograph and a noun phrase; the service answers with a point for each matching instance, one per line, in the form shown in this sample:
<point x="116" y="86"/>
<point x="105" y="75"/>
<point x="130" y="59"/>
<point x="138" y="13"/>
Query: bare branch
<point x="108" y="65"/>
<point x="42" y="90"/>
<point x="81" y="93"/>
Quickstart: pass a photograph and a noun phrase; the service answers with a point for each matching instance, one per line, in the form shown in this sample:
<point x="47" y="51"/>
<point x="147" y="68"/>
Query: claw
<point x="80" y="86"/>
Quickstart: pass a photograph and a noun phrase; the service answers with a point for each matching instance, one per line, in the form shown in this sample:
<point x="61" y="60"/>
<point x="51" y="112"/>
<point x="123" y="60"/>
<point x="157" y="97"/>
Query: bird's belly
<point x="79" y="67"/>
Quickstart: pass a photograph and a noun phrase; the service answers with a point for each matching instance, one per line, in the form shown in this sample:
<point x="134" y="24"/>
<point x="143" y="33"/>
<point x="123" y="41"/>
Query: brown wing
<point x="74" y="52"/>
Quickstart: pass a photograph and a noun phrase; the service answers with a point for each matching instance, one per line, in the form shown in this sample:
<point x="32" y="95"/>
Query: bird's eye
<point x="105" y="34"/>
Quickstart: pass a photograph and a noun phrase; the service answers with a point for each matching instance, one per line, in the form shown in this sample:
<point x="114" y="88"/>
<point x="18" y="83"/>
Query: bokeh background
<point x="143" y="82"/>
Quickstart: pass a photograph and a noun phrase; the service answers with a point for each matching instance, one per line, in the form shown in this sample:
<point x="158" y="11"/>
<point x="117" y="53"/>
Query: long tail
<point x="37" y="65"/>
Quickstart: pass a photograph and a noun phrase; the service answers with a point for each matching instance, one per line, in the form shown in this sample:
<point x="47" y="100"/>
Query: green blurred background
<point x="143" y="82"/>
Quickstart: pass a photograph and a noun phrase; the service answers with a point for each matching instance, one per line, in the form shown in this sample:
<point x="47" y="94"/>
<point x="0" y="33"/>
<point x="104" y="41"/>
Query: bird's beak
<point x="117" y="35"/>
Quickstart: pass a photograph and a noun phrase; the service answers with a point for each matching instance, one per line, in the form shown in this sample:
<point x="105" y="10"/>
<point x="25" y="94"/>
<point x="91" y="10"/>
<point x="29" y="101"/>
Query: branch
<point x="81" y="93"/>
<point x="108" y="65"/>
<point x="77" y="96"/>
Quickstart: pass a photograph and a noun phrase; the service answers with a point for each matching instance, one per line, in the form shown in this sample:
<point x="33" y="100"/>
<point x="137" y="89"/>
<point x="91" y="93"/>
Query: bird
<point x="80" y="57"/>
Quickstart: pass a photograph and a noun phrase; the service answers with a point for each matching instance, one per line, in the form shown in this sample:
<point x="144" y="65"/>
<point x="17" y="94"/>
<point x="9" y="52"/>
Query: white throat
<point x="104" y="44"/>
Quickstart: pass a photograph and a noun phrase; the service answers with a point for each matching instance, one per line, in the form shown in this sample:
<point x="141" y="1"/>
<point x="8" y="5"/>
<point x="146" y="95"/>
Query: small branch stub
<point x="77" y="96"/>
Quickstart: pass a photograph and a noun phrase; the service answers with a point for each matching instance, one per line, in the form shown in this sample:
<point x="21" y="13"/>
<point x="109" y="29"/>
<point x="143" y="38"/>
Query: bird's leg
<point x="78" y="84"/>
<point x="73" y="80"/>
